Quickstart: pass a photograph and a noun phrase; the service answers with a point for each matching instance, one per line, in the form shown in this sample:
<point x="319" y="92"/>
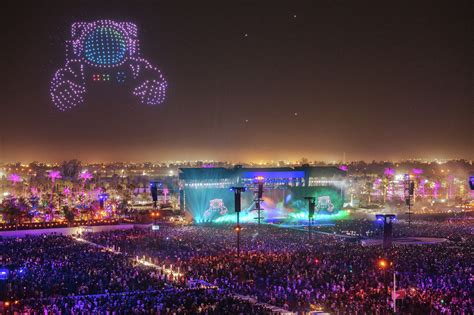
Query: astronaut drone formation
<point x="100" y="51"/>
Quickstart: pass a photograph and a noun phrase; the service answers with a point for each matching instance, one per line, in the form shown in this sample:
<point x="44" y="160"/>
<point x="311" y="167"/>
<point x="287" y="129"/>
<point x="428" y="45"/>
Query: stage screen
<point x="209" y="204"/>
<point x="280" y="204"/>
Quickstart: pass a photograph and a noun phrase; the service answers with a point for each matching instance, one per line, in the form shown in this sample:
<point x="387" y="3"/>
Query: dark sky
<point x="377" y="80"/>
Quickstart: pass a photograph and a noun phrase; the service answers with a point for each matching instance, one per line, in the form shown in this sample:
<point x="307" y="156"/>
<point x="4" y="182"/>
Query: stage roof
<point x="267" y="172"/>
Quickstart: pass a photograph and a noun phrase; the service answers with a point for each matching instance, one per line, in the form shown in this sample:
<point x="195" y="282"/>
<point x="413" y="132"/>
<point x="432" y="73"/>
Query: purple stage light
<point x="389" y="172"/>
<point x="14" y="178"/>
<point x="104" y="51"/>
<point x="85" y="176"/>
<point x="53" y="175"/>
<point x="417" y="171"/>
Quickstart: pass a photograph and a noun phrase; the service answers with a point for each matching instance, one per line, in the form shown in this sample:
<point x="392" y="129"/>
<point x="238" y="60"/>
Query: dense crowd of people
<point x="277" y="266"/>
<point x="54" y="265"/>
<point x="171" y="301"/>
<point x="56" y="274"/>
<point x="454" y="228"/>
<point x="283" y="267"/>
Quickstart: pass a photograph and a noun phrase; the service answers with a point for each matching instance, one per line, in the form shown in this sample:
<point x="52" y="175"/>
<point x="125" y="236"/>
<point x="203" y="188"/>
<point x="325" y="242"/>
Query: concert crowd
<point x="287" y="268"/>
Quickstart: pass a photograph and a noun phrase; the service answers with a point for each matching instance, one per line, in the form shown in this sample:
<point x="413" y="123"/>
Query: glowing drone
<point x="100" y="52"/>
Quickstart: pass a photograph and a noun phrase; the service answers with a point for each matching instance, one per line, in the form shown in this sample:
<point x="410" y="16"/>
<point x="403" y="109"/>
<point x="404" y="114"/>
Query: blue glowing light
<point x="4" y="274"/>
<point x="105" y="46"/>
<point x="273" y="174"/>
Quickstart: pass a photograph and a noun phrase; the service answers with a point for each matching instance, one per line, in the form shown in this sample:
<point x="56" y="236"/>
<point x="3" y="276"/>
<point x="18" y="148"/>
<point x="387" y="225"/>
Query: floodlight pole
<point x="409" y="192"/>
<point x="258" y="200"/>
<point x="154" y="193"/>
<point x="155" y="216"/>
<point x="237" y="194"/>
<point x="311" y="208"/>
<point x="387" y="229"/>
<point x="238" y="234"/>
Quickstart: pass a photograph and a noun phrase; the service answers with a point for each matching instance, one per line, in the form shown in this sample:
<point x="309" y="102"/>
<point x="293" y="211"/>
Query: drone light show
<point x="101" y="52"/>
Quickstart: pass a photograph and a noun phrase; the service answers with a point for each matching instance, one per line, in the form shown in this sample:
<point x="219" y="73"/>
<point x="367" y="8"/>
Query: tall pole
<point x="237" y="193"/>
<point x="409" y="192"/>
<point x="409" y="212"/>
<point x="311" y="209"/>
<point x="394" y="294"/>
<point x="259" y="199"/>
<point x="309" y="227"/>
<point x="387" y="220"/>
<point x="238" y="234"/>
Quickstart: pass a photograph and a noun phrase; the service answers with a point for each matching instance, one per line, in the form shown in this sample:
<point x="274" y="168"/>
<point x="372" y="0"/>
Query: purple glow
<point x="67" y="191"/>
<point x="54" y="175"/>
<point x="98" y="52"/>
<point x="14" y="178"/>
<point x="417" y="171"/>
<point x="389" y="172"/>
<point x="85" y="176"/>
<point x="343" y="168"/>
<point x="436" y="186"/>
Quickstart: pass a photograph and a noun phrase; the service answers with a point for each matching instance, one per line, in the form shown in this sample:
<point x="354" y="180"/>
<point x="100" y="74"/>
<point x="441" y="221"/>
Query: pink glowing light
<point x="417" y="171"/>
<point x="14" y="178"/>
<point x="389" y="172"/>
<point x="85" y="176"/>
<point x="343" y="168"/>
<point x="34" y="191"/>
<point x="54" y="175"/>
<point x="67" y="191"/>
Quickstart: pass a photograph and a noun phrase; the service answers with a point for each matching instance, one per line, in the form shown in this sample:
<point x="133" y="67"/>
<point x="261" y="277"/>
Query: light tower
<point x="102" y="199"/>
<point x="409" y="192"/>
<point x="311" y="209"/>
<point x="154" y="192"/>
<point x="387" y="220"/>
<point x="237" y="197"/>
<point x="258" y="200"/>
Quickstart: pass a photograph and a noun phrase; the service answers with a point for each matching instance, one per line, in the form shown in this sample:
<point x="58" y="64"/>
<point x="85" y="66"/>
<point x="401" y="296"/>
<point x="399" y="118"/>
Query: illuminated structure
<point x="100" y="52"/>
<point x="283" y="199"/>
<point x="387" y="220"/>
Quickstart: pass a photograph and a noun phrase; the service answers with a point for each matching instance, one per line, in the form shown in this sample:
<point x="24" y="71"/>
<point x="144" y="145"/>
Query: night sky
<point x="250" y="80"/>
